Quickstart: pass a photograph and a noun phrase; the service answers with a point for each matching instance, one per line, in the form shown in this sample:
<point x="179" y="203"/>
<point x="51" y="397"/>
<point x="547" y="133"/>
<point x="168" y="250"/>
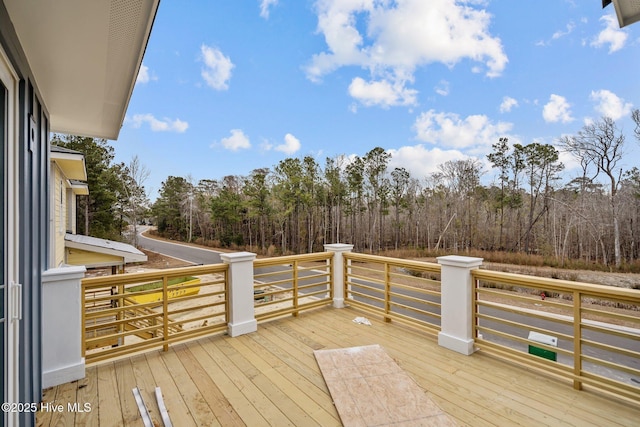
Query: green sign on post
<point x="543" y="352"/>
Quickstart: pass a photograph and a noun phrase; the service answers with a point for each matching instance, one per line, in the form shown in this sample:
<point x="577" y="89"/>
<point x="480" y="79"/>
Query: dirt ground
<point x="158" y="261"/>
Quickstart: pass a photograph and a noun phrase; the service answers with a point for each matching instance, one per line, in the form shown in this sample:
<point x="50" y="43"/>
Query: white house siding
<point x="58" y="220"/>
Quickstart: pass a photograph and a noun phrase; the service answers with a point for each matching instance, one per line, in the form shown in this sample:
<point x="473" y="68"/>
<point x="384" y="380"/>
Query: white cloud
<point x="143" y="74"/>
<point x="449" y="130"/>
<point x="507" y="104"/>
<point x="443" y="88"/>
<point x="570" y="161"/>
<point x="612" y="35"/>
<point x="290" y="146"/>
<point x="391" y="39"/>
<point x="382" y="93"/>
<point x="238" y="140"/>
<point x="558" y="34"/>
<point x="557" y="110"/>
<point x="157" y="125"/>
<point x="264" y="7"/>
<point x="217" y="68"/>
<point x="420" y="161"/>
<point x="610" y="104"/>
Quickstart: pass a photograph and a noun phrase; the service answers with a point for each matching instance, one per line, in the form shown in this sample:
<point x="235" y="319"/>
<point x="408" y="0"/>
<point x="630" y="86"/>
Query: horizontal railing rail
<point x="401" y="290"/>
<point x="127" y="313"/>
<point x="290" y="284"/>
<point x="587" y="334"/>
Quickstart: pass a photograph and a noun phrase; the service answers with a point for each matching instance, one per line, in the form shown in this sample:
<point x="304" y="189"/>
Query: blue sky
<point x="228" y="86"/>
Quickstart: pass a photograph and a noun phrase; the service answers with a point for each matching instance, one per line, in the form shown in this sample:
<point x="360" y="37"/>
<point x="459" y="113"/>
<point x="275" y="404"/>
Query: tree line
<point x="299" y="205"/>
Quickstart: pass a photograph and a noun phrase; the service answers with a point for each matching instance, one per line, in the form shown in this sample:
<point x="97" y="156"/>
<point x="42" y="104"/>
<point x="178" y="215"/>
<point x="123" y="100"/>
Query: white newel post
<point x="338" y="271"/>
<point x="62" y="359"/>
<point x="242" y="319"/>
<point x="456" y="304"/>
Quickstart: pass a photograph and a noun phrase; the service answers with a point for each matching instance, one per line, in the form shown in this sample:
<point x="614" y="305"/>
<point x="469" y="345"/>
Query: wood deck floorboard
<point x="88" y="394"/>
<point x="126" y="383"/>
<point x="238" y="387"/>
<point x="147" y="387"/>
<point x="271" y="377"/>
<point x="109" y="408"/>
<point x="198" y="368"/>
<point x="299" y="407"/>
<point x="177" y="408"/>
<point x="202" y="414"/>
<point x="287" y="368"/>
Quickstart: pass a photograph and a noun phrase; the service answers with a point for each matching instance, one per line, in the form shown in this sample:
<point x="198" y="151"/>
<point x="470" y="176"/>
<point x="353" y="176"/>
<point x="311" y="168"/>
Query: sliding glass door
<point x="9" y="288"/>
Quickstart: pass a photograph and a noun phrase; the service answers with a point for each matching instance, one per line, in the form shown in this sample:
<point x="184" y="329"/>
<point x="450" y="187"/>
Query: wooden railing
<point x="290" y="284"/>
<point x="116" y="322"/>
<point x="588" y="334"/>
<point x="585" y="333"/>
<point x="402" y="290"/>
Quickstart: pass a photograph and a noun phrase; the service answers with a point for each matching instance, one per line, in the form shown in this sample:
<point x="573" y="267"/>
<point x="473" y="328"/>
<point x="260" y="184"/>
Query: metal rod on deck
<point x="144" y="413"/>
<point x="163" y="409"/>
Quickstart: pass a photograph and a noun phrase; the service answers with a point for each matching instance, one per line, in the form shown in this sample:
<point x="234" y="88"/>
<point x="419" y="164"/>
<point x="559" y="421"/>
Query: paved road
<point x="184" y="252"/>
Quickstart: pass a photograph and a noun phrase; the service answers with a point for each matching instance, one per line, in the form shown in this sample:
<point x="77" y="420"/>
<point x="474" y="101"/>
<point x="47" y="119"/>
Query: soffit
<point x="627" y="11"/>
<point x="70" y="162"/>
<point x="85" y="57"/>
<point x="72" y="168"/>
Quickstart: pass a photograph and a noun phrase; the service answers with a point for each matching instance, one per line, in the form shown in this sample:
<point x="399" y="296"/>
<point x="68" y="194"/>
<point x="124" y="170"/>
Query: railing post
<point x="577" y="340"/>
<point x="338" y="271"/>
<point x="165" y="313"/>
<point x="387" y="291"/>
<point x="294" y="287"/>
<point x="62" y="326"/>
<point x="242" y="319"/>
<point x="456" y="331"/>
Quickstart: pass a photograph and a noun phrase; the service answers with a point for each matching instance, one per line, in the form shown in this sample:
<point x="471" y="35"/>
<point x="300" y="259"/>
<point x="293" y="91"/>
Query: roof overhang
<point x="79" y="188"/>
<point x="628" y="11"/>
<point x="105" y="247"/>
<point x="71" y="164"/>
<point x="85" y="57"/>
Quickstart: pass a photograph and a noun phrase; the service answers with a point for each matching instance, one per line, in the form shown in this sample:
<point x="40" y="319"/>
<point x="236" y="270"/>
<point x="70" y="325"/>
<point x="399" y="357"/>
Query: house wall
<point x="57" y="224"/>
<point x="33" y="208"/>
<point x="91" y="259"/>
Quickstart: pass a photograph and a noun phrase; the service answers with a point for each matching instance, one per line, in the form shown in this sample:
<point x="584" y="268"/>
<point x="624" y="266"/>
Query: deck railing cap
<point x="64" y="273"/>
<point x="459" y="261"/>
<point x="237" y="257"/>
<point x="338" y="247"/>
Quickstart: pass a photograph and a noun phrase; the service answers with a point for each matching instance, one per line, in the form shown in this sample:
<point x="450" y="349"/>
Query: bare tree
<point x="635" y="115"/>
<point x="602" y="145"/>
<point x="136" y="194"/>
<point x="399" y="182"/>
<point x="502" y="161"/>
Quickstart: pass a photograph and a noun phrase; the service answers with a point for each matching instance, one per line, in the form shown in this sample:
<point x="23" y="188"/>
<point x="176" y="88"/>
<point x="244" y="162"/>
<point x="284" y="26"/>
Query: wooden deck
<point x="271" y="378"/>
